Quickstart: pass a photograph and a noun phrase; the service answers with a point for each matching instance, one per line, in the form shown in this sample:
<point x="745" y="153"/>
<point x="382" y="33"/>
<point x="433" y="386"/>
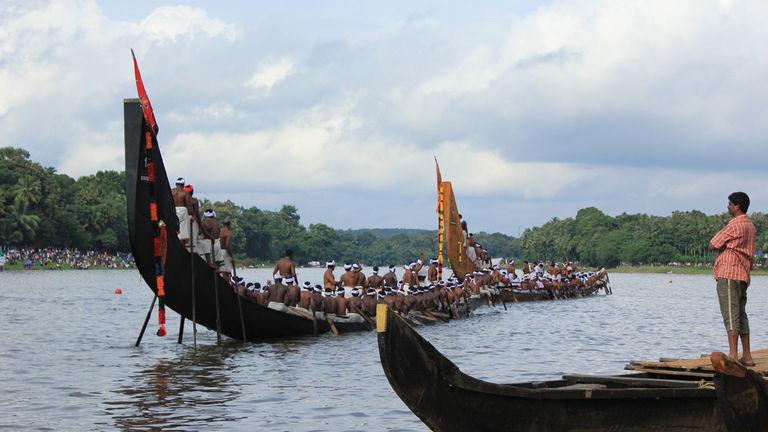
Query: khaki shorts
<point x="732" y="295"/>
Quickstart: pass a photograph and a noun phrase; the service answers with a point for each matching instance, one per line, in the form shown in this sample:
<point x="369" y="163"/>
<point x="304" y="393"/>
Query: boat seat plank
<point x="630" y="381"/>
<point x="695" y="367"/>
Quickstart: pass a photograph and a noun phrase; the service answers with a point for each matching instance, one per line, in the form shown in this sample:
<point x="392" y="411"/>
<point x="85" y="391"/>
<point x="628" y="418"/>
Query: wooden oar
<point x="194" y="304"/>
<point x="333" y="326"/>
<point x="314" y="320"/>
<point x="365" y="316"/>
<point x="146" y="320"/>
<point x="216" y="296"/>
<point x="429" y="314"/>
<point x="237" y="293"/>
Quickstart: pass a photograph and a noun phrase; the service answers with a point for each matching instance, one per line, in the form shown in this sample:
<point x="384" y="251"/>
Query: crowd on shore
<point x="58" y="259"/>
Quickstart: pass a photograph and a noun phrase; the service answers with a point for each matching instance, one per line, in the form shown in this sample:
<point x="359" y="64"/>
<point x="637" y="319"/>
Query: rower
<point x="390" y="278"/>
<point x="354" y="304"/>
<point x="225" y="238"/>
<point x="181" y="200"/>
<point x="305" y="298"/>
<point x="279" y="296"/>
<point x="195" y="217"/>
<point x="408" y="276"/>
<point x="374" y="280"/>
<point x="212" y="232"/>
<point x="285" y="267"/>
<point x="341" y="302"/>
<point x="329" y="280"/>
<point x="293" y="291"/>
<point x="361" y="280"/>
<point x="369" y="301"/>
<point x="328" y="305"/>
<point x="511" y="271"/>
<point x="526" y="267"/>
<point x="432" y="271"/>
<point x="348" y="280"/>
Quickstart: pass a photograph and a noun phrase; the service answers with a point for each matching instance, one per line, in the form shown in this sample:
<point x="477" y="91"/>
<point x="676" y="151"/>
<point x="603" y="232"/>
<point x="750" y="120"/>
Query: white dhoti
<point x="278" y="306"/>
<point x="348" y="291"/>
<point x="471" y="254"/>
<point x="217" y="250"/>
<point x="227" y="266"/>
<point x="183" y="215"/>
<point x="203" y="246"/>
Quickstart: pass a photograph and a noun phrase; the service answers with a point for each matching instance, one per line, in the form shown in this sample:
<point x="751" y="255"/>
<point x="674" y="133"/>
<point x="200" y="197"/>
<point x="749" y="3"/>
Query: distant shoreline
<point x="674" y="270"/>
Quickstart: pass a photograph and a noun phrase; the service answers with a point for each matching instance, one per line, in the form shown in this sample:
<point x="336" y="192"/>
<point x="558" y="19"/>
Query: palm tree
<point x="27" y="190"/>
<point x="25" y="223"/>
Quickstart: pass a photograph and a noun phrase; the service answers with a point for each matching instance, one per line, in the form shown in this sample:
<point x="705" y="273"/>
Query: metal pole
<point x="146" y="320"/>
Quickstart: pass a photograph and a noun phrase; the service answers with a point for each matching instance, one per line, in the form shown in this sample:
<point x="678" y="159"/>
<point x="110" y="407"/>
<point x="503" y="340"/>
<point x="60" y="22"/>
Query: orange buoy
<point x="118" y="291"/>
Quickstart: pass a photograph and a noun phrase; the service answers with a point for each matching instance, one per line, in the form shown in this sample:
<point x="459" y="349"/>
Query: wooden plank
<point x="670" y="372"/>
<point x="630" y="381"/>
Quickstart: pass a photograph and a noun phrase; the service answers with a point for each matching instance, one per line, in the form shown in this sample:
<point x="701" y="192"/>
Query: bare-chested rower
<point x="183" y="203"/>
<point x="329" y="280"/>
<point x="432" y="272"/>
<point x="511" y="271"/>
<point x="341" y="302"/>
<point x="390" y="278"/>
<point x="285" y="267"/>
<point x="375" y="281"/>
<point x="361" y="281"/>
<point x="348" y="280"/>
<point x="306" y="299"/>
<point x="278" y="294"/>
<point x="225" y="238"/>
<point x="212" y="230"/>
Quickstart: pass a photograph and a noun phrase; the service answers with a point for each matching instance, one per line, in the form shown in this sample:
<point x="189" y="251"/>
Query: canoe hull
<point x="446" y="399"/>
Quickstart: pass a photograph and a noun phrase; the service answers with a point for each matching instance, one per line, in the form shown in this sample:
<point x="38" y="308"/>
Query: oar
<point x="430" y="314"/>
<point x="146" y="320"/>
<point x="216" y="295"/>
<point x="314" y="319"/>
<point x="333" y="326"/>
<point x="239" y="301"/>
<point x="365" y="316"/>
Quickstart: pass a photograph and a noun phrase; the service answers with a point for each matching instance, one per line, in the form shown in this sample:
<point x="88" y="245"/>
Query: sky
<point x="535" y="109"/>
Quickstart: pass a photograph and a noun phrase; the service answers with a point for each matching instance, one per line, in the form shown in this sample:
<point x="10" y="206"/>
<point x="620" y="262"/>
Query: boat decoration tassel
<point x="440" y="221"/>
<point x="160" y="240"/>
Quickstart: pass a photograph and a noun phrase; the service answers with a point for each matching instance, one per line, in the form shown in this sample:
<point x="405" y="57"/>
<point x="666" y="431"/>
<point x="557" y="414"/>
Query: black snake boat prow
<point x="260" y="322"/>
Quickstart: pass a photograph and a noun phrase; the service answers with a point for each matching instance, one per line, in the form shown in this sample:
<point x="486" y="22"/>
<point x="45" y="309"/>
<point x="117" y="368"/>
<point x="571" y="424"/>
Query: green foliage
<point x="42" y="208"/>
<point x="596" y="239"/>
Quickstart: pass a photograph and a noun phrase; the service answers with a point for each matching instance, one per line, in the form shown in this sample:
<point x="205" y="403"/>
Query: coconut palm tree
<point x="25" y="223"/>
<point x="27" y="190"/>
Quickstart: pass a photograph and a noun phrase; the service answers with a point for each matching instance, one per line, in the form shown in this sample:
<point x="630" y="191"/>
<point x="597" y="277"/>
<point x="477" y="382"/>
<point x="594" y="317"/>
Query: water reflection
<point x="193" y="389"/>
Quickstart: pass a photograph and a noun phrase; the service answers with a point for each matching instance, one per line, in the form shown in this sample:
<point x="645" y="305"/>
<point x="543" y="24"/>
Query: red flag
<point x="439" y="177"/>
<point x="146" y="106"/>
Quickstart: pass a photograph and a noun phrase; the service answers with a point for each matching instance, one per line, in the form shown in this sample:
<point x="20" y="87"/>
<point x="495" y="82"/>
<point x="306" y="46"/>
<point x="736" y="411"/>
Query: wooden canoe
<point x="446" y="399"/>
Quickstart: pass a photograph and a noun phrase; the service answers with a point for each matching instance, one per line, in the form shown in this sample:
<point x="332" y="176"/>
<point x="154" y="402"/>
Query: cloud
<point x="172" y="23"/>
<point x="270" y="74"/>
<point x="631" y="105"/>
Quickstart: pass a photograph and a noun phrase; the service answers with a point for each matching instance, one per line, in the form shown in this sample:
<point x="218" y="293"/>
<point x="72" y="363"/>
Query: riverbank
<point x="674" y="270"/>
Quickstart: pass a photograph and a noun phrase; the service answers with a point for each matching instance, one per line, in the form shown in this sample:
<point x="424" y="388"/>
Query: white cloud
<point x="271" y="73"/>
<point x="184" y="22"/>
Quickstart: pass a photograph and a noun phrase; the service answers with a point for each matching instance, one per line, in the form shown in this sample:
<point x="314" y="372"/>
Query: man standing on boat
<point x="329" y="280"/>
<point x="195" y="218"/>
<point x="183" y="203"/>
<point x="348" y="279"/>
<point x="374" y="280"/>
<point x="212" y="231"/>
<point x="225" y="238"/>
<point x="735" y="246"/>
<point x="285" y="267"/>
<point x="432" y="271"/>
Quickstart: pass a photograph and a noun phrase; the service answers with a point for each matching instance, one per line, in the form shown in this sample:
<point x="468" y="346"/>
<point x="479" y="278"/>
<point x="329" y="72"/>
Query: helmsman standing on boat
<point x="735" y="245"/>
<point x="183" y="202"/>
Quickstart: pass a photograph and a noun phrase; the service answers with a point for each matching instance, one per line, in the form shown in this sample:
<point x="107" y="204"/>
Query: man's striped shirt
<point x="737" y="239"/>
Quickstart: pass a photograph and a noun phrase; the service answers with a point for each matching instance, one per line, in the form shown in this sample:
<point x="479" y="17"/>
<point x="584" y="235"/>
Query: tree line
<point x="42" y="208"/>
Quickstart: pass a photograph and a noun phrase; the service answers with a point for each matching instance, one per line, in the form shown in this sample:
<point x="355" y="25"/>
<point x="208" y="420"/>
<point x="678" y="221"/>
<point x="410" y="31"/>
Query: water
<point x="67" y="360"/>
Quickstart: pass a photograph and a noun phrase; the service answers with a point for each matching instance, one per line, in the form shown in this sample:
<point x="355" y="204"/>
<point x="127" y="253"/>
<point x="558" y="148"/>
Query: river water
<point x="67" y="360"/>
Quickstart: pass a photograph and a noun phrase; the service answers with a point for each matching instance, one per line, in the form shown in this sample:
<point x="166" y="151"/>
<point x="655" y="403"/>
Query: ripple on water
<point x="73" y="366"/>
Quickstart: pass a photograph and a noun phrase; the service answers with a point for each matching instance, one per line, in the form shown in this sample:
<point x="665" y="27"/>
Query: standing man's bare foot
<point x="747" y="361"/>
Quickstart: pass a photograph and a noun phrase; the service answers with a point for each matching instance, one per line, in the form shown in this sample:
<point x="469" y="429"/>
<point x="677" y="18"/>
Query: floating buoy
<point x="118" y="291"/>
